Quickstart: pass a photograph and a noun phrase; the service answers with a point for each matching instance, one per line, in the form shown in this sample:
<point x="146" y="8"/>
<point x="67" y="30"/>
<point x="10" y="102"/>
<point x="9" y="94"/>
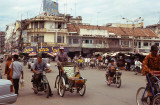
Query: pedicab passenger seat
<point x="70" y="69"/>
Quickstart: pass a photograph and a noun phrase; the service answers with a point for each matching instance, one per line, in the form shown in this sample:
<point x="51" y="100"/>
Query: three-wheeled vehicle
<point x="70" y="79"/>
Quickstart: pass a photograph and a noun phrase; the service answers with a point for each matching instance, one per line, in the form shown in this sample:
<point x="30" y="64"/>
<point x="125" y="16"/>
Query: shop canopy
<point x="32" y="54"/>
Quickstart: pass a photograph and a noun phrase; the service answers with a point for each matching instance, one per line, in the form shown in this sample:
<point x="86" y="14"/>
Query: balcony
<point x="36" y="30"/>
<point x="57" y="30"/>
<point x="95" y="46"/>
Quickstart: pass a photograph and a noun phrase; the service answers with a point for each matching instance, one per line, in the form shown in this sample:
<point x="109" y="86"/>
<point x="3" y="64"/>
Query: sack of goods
<point x="22" y="83"/>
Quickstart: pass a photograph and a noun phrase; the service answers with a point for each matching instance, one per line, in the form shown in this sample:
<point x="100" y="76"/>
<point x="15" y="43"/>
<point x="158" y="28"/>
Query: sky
<point x="94" y="12"/>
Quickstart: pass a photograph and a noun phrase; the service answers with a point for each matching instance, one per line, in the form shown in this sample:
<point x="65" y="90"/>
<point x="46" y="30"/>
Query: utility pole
<point x="133" y="27"/>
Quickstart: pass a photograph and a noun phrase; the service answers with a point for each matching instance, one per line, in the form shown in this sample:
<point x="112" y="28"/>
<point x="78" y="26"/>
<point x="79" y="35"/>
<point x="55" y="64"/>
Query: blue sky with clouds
<point x="92" y="11"/>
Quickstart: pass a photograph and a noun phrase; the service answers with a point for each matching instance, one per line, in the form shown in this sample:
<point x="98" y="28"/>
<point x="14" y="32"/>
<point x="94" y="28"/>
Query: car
<point x="1" y="60"/>
<point x="47" y="61"/>
<point x="6" y="96"/>
<point x="31" y="62"/>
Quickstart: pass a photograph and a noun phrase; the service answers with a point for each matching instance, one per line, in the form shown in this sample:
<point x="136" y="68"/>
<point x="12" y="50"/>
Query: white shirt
<point x="137" y="63"/>
<point x="17" y="68"/>
<point x="85" y="59"/>
<point x="106" y="61"/>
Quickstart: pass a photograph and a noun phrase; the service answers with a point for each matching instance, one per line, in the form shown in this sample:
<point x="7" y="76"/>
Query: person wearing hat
<point x="61" y="57"/>
<point x="151" y="63"/>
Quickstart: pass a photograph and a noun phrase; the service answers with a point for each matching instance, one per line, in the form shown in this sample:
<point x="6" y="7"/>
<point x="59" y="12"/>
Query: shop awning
<point x="33" y="54"/>
<point x="52" y="54"/>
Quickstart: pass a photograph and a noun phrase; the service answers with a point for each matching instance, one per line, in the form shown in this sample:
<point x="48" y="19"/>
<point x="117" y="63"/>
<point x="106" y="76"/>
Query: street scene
<point x="97" y="91"/>
<point x="67" y="52"/>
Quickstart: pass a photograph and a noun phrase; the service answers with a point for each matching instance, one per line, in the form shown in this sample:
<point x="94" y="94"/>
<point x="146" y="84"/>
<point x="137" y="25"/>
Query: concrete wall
<point x="93" y="32"/>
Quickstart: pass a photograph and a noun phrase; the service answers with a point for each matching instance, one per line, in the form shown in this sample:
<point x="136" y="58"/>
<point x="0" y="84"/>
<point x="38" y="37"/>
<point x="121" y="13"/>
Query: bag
<point x="10" y="73"/>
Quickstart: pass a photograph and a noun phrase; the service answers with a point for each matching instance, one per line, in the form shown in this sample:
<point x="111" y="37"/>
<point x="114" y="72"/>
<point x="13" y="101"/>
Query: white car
<point x="31" y="62"/>
<point x="6" y="96"/>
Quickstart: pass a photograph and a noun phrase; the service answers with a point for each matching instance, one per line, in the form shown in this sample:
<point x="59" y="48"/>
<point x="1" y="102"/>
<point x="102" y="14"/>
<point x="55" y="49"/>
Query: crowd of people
<point x="14" y="68"/>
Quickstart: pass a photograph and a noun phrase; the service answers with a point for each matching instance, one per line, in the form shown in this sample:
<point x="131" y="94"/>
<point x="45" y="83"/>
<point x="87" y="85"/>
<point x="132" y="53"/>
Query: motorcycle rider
<point x="112" y="70"/>
<point x="38" y="69"/>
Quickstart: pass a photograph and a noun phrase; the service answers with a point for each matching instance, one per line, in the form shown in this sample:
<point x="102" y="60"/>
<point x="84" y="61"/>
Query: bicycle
<point x="142" y="97"/>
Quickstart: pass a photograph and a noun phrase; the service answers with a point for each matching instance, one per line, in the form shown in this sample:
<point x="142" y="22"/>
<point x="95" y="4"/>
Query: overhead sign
<point x="29" y="50"/>
<point x="43" y="49"/>
<point x="50" y="7"/>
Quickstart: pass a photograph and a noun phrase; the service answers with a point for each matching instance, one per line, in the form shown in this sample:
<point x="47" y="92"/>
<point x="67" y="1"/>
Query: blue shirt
<point x="39" y="66"/>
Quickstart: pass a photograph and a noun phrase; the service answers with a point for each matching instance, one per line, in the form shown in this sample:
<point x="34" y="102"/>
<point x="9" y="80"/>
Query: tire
<point x="46" y="90"/>
<point x="34" y="86"/>
<point x="118" y="84"/>
<point x="29" y="67"/>
<point x="56" y="83"/>
<point x="82" y="90"/>
<point x="139" y="96"/>
<point x="156" y="100"/>
<point x="107" y="80"/>
<point x="61" y="87"/>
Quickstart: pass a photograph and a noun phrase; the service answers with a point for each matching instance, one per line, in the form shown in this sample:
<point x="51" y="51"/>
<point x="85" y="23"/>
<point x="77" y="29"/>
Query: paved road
<point x="97" y="92"/>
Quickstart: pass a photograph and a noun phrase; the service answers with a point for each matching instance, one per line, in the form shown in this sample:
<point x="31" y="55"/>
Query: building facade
<point x="2" y="42"/>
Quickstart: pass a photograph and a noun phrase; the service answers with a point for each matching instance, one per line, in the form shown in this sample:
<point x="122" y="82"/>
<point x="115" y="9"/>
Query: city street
<point x="97" y="92"/>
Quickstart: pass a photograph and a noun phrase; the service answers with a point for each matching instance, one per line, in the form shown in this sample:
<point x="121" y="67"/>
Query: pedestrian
<point x="128" y="64"/>
<point x="137" y="66"/>
<point x="17" y="72"/>
<point x="8" y="63"/>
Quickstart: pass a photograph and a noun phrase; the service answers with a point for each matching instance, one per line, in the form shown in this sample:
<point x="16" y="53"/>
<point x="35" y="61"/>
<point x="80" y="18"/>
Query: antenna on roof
<point x="75" y="7"/>
<point x="41" y="7"/>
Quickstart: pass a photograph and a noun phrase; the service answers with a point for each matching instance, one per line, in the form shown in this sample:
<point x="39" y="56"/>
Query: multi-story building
<point x="100" y="38"/>
<point x="47" y="33"/>
<point x="2" y="42"/>
<point x="155" y="28"/>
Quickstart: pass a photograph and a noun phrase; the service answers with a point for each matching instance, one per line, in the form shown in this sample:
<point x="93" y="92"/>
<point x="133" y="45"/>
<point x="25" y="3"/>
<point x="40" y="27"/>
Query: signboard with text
<point x="50" y="6"/>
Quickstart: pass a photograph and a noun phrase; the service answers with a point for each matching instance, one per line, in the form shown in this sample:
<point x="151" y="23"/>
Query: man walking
<point x="17" y="72"/>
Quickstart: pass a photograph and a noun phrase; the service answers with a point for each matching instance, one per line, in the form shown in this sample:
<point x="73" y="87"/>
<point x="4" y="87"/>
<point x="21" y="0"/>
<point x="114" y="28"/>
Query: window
<point x="70" y="41"/>
<point x="36" y="25"/>
<point x="75" y="41"/>
<point x="157" y="44"/>
<point x="125" y="43"/>
<point x="41" y="38"/>
<point x="87" y="41"/>
<point x="41" y="24"/>
<point x="145" y="44"/>
<point x="34" y="38"/>
<point x="91" y="41"/>
<point x="32" y="25"/>
<point x="59" y="25"/>
<point x="60" y="39"/>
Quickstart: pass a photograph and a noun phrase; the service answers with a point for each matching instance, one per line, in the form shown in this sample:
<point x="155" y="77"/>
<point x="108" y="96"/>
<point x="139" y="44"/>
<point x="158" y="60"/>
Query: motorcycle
<point x="116" y="78"/>
<point x="43" y="85"/>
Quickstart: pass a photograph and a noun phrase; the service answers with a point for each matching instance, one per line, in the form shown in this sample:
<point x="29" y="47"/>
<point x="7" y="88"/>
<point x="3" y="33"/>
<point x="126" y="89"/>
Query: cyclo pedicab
<point x="70" y="79"/>
<point x="142" y="97"/>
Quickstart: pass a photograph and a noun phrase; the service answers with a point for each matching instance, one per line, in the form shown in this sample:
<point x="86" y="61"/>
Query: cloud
<point x="92" y="11"/>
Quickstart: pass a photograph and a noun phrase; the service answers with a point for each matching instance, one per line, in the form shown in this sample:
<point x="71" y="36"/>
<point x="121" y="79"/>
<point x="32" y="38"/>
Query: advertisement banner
<point x="29" y="50"/>
<point x="43" y="49"/>
<point x="50" y="6"/>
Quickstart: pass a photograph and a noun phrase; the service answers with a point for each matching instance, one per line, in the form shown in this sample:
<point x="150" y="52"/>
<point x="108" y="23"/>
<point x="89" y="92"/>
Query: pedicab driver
<point x="38" y="68"/>
<point x="151" y="63"/>
<point x="61" y="57"/>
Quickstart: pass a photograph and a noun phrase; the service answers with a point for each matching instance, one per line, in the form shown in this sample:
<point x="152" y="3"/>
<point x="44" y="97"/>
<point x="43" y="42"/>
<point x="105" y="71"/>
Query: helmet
<point x="61" y="48"/>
